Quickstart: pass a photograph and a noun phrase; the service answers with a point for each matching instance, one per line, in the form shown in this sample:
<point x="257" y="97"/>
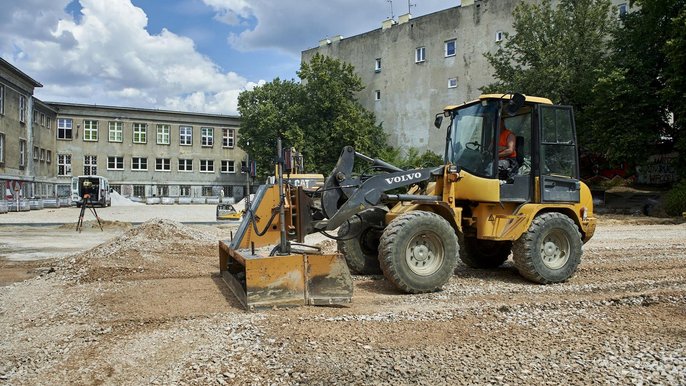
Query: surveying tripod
<point x="87" y="203"/>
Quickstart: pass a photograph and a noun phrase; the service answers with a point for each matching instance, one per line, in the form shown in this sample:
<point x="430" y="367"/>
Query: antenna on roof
<point x="391" y="3"/>
<point x="410" y="5"/>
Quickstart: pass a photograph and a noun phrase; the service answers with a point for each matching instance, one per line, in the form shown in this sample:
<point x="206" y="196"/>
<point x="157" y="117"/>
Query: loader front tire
<point x="484" y="254"/>
<point x="360" y="243"/>
<point x="418" y="252"/>
<point x="550" y="251"/>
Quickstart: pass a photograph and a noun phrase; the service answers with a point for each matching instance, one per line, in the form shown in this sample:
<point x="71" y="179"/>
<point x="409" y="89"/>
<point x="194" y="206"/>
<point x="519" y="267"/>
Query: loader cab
<point x="545" y="145"/>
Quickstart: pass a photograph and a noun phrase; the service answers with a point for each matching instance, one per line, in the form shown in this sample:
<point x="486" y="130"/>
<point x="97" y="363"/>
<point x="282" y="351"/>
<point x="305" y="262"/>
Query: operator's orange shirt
<point x="502" y="142"/>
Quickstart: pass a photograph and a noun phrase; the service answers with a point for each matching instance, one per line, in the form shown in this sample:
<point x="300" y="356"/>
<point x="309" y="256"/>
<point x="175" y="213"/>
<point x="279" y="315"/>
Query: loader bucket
<point x="263" y="281"/>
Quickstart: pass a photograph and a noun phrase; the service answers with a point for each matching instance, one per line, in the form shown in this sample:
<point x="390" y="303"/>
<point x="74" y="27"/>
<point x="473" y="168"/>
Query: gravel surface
<point x="148" y="307"/>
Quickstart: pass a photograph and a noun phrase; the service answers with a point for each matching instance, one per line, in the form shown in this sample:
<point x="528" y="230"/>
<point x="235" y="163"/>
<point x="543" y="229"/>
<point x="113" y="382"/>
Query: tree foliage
<point x="318" y="116"/>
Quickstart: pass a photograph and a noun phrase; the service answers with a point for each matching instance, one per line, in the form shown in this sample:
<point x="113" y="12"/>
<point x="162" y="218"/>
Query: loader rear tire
<point x="418" y="252"/>
<point x="550" y="251"/>
<point x="362" y="251"/>
<point x="484" y="254"/>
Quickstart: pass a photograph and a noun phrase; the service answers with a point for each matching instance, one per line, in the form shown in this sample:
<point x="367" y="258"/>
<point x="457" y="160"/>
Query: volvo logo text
<point x="403" y="178"/>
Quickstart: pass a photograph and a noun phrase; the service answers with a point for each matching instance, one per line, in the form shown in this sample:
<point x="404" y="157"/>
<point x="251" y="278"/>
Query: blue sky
<point x="187" y="55"/>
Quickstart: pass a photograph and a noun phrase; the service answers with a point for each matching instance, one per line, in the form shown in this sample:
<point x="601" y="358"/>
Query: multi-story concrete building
<point x="143" y="152"/>
<point x="413" y="67"/>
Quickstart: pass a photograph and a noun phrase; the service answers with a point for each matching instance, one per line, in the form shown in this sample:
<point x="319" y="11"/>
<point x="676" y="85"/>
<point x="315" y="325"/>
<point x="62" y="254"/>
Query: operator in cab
<point x="507" y="153"/>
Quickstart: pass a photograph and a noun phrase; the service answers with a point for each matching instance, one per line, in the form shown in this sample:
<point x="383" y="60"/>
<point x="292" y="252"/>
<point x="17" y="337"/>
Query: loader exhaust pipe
<point x="284" y="246"/>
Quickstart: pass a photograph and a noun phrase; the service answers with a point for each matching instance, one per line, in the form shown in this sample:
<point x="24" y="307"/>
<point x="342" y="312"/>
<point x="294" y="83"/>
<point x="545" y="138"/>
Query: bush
<point x="675" y="201"/>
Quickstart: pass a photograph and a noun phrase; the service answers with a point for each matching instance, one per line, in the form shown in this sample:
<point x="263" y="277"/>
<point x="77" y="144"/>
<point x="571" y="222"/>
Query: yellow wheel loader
<point x="414" y="225"/>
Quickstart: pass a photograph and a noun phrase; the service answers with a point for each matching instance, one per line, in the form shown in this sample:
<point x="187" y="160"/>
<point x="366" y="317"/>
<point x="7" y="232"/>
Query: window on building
<point x="206" y="166"/>
<point x="450" y="48"/>
<point x="452" y="82"/>
<point x="2" y="99"/>
<point x="90" y="165"/>
<point x="64" y="164"/>
<point x="35" y="153"/>
<point x="35" y="116"/>
<point x="244" y="167"/>
<point x="115" y="163"/>
<point x="42" y="119"/>
<point x="48" y="123"/>
<point x="420" y="54"/>
<point x="139" y="163"/>
<point x="22" y="108"/>
<point x="228" y="166"/>
<point x="207" y="191"/>
<point x="139" y="191"/>
<point x="377" y="95"/>
<point x="2" y="148"/>
<point x="622" y="9"/>
<point x="163" y="132"/>
<point x="499" y="35"/>
<point x="64" y="128"/>
<point x="22" y="153"/>
<point x="116" y="131"/>
<point x="90" y="130"/>
<point x="185" y="190"/>
<point x="162" y="190"/>
<point x="207" y="136"/>
<point x="48" y="156"/>
<point x="377" y="65"/>
<point x="185" y="135"/>
<point x="185" y="165"/>
<point x="228" y="137"/>
<point x="140" y="133"/>
<point x="163" y="164"/>
<point x="42" y="155"/>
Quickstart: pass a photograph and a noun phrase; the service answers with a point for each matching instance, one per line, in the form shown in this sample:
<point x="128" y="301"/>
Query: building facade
<point x="413" y="67"/>
<point x="143" y="153"/>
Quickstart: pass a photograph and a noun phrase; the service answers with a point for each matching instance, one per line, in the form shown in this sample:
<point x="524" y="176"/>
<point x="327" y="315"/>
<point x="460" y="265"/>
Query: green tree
<point x="318" y="117"/>
<point x="267" y="112"/>
<point x="335" y="118"/>
<point x="558" y="53"/>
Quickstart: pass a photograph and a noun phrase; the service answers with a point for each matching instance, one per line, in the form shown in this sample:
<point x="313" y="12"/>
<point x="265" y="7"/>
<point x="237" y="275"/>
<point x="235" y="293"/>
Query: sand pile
<point x="119" y="200"/>
<point x="158" y="248"/>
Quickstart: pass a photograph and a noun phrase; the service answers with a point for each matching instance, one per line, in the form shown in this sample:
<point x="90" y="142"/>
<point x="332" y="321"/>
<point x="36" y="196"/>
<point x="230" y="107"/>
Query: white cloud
<point x="100" y="59"/>
<point x="295" y="25"/>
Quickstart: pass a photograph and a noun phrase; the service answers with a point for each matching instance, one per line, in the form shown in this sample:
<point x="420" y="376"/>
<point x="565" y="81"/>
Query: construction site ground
<point x="145" y="305"/>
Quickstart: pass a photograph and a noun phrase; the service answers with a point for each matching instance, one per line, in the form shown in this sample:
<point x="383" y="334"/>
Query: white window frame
<point x="140" y="132"/>
<point x="48" y="156"/>
<point x="163" y="164"/>
<point x="186" y="135"/>
<point x="207" y="136"/>
<point x="116" y="131"/>
<point x="206" y="166"/>
<point x="64" y="126"/>
<point x="117" y="161"/>
<point x="137" y="164"/>
<point x="90" y="130"/>
<point x="22" y="153"/>
<point x="228" y="138"/>
<point x="187" y="165"/>
<point x="446" y="46"/>
<point x="163" y="134"/>
<point x="377" y="65"/>
<point x="48" y="123"/>
<point x="499" y="36"/>
<point x="64" y="162"/>
<point x="22" y="109"/>
<point x="35" y="116"/>
<point x="42" y="155"/>
<point x="228" y="166"/>
<point x="2" y="148"/>
<point x="42" y="119"/>
<point x="420" y="55"/>
<point x="90" y="165"/>
<point x="452" y="82"/>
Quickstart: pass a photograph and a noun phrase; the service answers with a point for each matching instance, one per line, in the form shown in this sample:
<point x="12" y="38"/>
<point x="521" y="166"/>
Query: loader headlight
<point x="584" y="213"/>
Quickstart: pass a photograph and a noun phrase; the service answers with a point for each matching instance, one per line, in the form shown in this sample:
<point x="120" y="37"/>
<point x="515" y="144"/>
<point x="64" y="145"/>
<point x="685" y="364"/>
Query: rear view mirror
<point x="515" y="103"/>
<point x="439" y="120"/>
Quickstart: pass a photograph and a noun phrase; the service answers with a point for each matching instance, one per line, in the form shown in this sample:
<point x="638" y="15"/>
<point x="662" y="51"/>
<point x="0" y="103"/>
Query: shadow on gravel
<point x="507" y="273"/>
<point x="231" y="300"/>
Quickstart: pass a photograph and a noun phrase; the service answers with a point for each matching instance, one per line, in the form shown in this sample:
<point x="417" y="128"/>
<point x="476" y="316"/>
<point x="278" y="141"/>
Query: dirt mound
<point x="158" y="248"/>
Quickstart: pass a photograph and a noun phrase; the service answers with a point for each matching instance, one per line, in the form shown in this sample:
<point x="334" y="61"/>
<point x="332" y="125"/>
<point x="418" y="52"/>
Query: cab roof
<point x="529" y="99"/>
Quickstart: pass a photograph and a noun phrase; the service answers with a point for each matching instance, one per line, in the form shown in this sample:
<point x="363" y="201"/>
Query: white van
<point x="100" y="190"/>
